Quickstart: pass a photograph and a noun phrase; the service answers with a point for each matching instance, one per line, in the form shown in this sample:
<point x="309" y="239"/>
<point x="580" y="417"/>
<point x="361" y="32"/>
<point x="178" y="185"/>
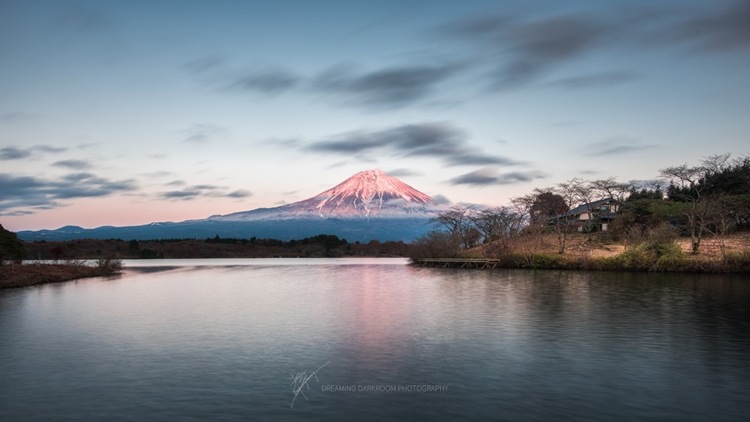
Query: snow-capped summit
<point x="370" y="193"/>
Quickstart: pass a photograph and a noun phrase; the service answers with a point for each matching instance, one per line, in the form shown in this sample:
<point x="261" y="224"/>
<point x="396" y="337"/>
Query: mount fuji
<point x="370" y="194"/>
<point x="370" y="205"/>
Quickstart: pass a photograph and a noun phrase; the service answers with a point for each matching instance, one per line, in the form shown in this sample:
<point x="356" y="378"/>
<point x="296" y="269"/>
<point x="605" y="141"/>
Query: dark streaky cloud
<point x="195" y="191"/>
<point x="524" y="50"/>
<point x="519" y="49"/>
<point x="73" y="164"/>
<point x="720" y="31"/>
<point x="615" y="146"/>
<point x="13" y="153"/>
<point x="16" y="153"/>
<point x="595" y="80"/>
<point x="434" y="139"/>
<point x="488" y="176"/>
<point x="26" y="194"/>
<point x="390" y="87"/>
<point x="268" y="82"/>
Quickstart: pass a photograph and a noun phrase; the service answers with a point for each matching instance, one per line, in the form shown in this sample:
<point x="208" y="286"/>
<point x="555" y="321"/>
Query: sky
<point x="131" y="112"/>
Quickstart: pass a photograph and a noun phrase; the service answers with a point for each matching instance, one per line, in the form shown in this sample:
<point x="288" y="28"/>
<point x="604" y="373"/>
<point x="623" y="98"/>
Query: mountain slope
<point x="367" y="194"/>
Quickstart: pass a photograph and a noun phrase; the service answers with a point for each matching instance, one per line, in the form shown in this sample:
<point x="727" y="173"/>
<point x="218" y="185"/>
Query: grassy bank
<point x="32" y="274"/>
<point x="730" y="254"/>
<point x="629" y="261"/>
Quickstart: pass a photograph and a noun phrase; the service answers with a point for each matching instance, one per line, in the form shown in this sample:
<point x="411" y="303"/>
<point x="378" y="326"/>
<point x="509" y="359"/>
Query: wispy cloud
<point x="16" y="116"/>
<point x="197" y="191"/>
<point x="390" y="87"/>
<point x="722" y="30"/>
<point x="16" y="153"/>
<point x="205" y="64"/>
<point x="403" y="172"/>
<point x="488" y="176"/>
<point x="595" y="80"/>
<point x="616" y="146"/>
<point x="73" y="164"/>
<point x="200" y="133"/>
<point x="433" y="139"/>
<point x="24" y="194"/>
<point x="13" y="153"/>
<point x="517" y="49"/>
<point x="523" y="49"/>
<point x="268" y="82"/>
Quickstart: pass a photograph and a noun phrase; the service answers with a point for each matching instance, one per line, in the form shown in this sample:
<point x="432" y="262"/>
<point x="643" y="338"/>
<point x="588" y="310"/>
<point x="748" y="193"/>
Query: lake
<point x="374" y="339"/>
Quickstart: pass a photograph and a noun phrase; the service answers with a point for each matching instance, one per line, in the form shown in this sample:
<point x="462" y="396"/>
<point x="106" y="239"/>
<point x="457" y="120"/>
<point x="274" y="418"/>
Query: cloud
<point x="268" y="82"/>
<point x="181" y="194"/>
<point x="519" y="177"/>
<point x="479" y="177"/>
<point x="24" y="194"/>
<point x="518" y="49"/>
<point x="464" y="159"/>
<point x="240" y="193"/>
<point x="195" y="191"/>
<point x="15" y="116"/>
<point x="390" y="87"/>
<point x="595" y="80"/>
<point x="157" y="174"/>
<point x="441" y="200"/>
<point x="204" y="64"/>
<point x="402" y="172"/>
<point x="719" y="31"/>
<point x="616" y="146"/>
<point x="83" y="19"/>
<point x="489" y="176"/>
<point x="73" y="164"/>
<point x="522" y="50"/>
<point x="13" y="153"/>
<point x="432" y="139"/>
<point x="16" y="153"/>
<point x="200" y="133"/>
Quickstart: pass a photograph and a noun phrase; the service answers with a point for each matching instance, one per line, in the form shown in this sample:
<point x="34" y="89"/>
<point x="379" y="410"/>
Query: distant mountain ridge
<point x="370" y="205"/>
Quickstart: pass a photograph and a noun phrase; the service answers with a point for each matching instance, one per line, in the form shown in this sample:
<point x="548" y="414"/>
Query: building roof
<point x="588" y="207"/>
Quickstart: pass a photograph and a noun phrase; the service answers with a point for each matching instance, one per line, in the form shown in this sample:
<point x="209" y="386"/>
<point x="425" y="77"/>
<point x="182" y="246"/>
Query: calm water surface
<point x="225" y="339"/>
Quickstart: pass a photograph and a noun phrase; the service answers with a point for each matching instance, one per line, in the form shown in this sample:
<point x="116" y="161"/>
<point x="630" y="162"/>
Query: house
<point x="594" y="215"/>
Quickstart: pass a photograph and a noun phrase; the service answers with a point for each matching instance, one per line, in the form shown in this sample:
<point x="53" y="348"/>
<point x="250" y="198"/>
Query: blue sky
<point x="129" y="112"/>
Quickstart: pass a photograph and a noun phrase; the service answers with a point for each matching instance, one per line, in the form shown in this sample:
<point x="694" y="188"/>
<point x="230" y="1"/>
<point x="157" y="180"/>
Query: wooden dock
<point x="477" y="263"/>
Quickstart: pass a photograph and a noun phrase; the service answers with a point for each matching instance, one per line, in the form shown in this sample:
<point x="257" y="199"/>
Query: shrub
<point x="737" y="261"/>
<point x="109" y="266"/>
<point x="435" y="244"/>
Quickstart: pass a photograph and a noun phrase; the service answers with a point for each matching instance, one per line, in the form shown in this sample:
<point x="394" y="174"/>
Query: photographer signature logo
<point x="300" y="381"/>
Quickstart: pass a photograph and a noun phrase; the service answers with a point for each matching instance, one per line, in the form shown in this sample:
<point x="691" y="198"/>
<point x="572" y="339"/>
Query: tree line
<point x="323" y="245"/>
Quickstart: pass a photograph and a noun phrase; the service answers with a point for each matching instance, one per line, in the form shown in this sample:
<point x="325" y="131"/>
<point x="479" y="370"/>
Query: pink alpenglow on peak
<point x="368" y="190"/>
<point x="367" y="194"/>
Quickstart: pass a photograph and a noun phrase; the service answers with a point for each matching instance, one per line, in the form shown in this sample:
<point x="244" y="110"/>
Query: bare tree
<point x="570" y="192"/>
<point x="497" y="224"/>
<point x="688" y="185"/>
<point x="611" y="188"/>
<point x="456" y="220"/>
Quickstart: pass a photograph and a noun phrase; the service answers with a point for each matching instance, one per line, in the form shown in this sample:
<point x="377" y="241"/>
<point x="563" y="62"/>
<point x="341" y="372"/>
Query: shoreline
<point x="732" y="265"/>
<point x="25" y="275"/>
